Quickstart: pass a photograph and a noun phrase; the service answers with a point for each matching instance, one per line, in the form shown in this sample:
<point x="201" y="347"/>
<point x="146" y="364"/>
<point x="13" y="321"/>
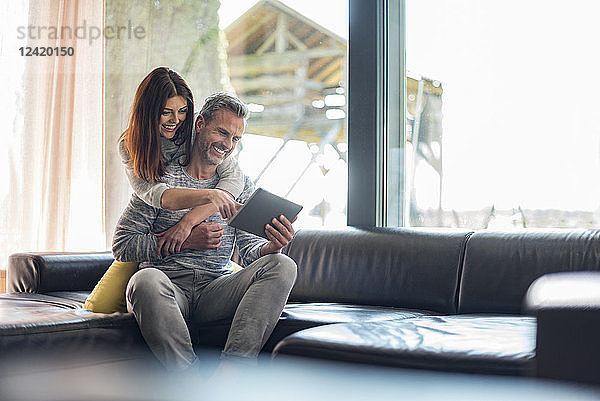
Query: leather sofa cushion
<point x="319" y="313"/>
<point x="35" y="323"/>
<point x="466" y="343"/>
<point x="499" y="267"/>
<point x="300" y="316"/>
<point x="41" y="322"/>
<point x="47" y="272"/>
<point x="567" y="308"/>
<point x="400" y="267"/>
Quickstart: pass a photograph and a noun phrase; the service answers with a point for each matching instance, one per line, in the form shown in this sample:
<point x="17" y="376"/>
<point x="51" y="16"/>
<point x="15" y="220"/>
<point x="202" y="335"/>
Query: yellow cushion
<point x="236" y="267"/>
<point x="109" y="294"/>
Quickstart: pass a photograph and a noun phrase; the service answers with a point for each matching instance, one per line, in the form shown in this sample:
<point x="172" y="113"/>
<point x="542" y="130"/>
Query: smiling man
<point x="170" y="294"/>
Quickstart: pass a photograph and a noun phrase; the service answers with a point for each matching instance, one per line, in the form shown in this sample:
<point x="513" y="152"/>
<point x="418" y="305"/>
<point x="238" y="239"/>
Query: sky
<point x="520" y="101"/>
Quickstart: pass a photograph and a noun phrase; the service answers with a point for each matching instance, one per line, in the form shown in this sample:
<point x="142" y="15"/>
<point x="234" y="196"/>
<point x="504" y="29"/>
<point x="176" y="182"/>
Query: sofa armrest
<point x="567" y="307"/>
<point x="38" y="272"/>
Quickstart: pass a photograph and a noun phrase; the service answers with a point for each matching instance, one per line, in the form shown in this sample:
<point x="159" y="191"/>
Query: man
<point x="196" y="285"/>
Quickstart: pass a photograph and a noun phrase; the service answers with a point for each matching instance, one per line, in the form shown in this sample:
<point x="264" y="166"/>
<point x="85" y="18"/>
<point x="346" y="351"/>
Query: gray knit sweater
<point x="231" y="175"/>
<point x="134" y="239"/>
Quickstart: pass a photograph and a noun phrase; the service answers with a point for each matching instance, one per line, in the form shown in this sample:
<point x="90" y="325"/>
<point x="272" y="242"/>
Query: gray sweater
<point x="232" y="178"/>
<point x="134" y="239"/>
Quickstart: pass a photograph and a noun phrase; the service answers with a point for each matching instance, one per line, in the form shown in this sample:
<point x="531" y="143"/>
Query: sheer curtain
<point x="52" y="182"/>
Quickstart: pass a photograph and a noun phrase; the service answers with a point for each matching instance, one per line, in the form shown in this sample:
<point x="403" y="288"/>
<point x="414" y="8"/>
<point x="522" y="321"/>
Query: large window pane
<point x="502" y="102"/>
<point x="287" y="60"/>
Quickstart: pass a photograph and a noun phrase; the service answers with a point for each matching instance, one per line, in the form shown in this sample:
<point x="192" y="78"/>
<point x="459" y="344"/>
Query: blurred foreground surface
<point x="281" y="379"/>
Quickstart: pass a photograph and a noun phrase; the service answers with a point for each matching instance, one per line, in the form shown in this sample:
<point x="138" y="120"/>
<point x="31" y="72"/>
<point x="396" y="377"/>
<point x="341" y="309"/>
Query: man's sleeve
<point x="248" y="244"/>
<point x="133" y="240"/>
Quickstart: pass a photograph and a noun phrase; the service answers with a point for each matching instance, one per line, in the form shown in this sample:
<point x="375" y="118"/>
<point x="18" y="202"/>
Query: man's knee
<point x="147" y="283"/>
<point x="285" y="266"/>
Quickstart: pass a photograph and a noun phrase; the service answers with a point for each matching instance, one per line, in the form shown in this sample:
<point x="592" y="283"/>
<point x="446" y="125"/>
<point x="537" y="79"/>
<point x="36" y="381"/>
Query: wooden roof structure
<point x="283" y="61"/>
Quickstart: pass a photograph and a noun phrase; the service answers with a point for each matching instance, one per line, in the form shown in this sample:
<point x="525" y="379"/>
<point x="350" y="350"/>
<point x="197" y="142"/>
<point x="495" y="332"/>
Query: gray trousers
<point x="162" y="301"/>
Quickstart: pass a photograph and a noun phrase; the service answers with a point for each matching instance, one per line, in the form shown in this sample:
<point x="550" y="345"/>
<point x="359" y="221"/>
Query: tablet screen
<point x="259" y="210"/>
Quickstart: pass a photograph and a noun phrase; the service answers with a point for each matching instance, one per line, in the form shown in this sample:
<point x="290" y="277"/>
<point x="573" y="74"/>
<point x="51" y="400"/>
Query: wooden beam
<point x="266" y="44"/>
<point x="319" y="64"/>
<point x="305" y="20"/>
<point x="315" y="38"/>
<point x="304" y="32"/>
<point x="309" y="131"/>
<point x="297" y="42"/>
<point x="273" y="82"/>
<point x="253" y="62"/>
<point x="301" y="31"/>
<point x="333" y="66"/>
<point x="239" y="39"/>
<point x="281" y="42"/>
<point x="241" y="66"/>
<point x="334" y="78"/>
<point x="241" y="70"/>
<point x="275" y="99"/>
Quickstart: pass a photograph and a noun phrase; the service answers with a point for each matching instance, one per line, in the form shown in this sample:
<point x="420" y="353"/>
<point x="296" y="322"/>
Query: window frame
<point x="376" y="109"/>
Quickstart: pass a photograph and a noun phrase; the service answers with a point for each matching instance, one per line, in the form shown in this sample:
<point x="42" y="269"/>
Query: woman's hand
<point x="171" y="241"/>
<point x="224" y="202"/>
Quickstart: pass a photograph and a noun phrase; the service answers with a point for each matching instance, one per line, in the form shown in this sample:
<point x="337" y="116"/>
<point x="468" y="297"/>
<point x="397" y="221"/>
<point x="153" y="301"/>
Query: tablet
<point x="259" y="210"/>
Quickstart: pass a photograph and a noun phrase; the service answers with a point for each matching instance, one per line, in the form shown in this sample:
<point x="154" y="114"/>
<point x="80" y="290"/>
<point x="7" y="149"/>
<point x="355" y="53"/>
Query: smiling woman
<point x="173" y="115"/>
<point x="160" y="91"/>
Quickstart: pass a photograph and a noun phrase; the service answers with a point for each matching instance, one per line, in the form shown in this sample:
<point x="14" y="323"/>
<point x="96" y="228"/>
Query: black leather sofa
<point x="418" y="298"/>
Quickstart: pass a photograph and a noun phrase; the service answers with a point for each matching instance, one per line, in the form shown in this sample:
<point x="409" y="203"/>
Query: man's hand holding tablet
<point x="279" y="234"/>
<point x="269" y="216"/>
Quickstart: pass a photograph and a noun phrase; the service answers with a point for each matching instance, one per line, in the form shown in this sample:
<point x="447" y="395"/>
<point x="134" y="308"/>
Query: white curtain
<point x="52" y="178"/>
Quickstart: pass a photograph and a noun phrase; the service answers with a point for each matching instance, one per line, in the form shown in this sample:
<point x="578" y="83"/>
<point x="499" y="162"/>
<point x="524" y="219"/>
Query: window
<point x="285" y="59"/>
<point x="499" y="104"/>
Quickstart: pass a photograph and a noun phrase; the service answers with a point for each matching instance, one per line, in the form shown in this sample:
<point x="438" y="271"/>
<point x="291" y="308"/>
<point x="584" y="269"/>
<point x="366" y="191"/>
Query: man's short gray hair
<point x="223" y="100"/>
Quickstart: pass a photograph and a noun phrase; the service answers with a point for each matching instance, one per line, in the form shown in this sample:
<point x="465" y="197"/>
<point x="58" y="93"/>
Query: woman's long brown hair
<point x="142" y="138"/>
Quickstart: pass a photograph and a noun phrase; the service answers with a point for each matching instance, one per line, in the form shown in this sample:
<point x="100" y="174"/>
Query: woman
<point x="160" y="132"/>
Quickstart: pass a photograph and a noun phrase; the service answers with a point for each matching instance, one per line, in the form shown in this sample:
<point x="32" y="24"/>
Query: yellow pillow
<point x="108" y="295"/>
<point x="236" y="267"/>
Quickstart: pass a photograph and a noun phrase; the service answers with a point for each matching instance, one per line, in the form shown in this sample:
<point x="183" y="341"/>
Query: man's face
<point x="218" y="138"/>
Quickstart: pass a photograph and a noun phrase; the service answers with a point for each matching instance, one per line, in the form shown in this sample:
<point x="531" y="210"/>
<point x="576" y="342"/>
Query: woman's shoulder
<point x="123" y="152"/>
<point x="170" y="150"/>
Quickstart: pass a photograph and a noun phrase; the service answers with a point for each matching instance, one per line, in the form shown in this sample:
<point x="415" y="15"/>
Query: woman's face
<point x="172" y="116"/>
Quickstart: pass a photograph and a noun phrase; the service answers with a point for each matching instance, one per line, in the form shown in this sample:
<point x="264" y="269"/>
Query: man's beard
<point x="210" y="158"/>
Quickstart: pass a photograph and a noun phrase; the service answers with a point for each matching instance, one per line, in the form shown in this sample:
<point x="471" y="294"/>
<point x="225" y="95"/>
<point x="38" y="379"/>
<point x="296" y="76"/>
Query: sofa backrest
<point x="410" y="268"/>
<point x="47" y="272"/>
<point x="499" y="267"/>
